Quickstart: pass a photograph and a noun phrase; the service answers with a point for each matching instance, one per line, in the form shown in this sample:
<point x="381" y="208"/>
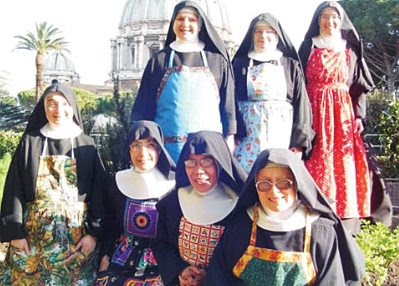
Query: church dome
<point x="58" y="66"/>
<point x="147" y="10"/>
<point x="57" y="61"/>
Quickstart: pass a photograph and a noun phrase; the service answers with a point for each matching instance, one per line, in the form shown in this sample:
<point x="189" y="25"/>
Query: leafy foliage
<point x="380" y="247"/>
<point x="377" y="102"/>
<point x="4" y="164"/>
<point x="389" y="126"/>
<point x="12" y="115"/>
<point x="8" y="141"/>
<point x="377" y="22"/>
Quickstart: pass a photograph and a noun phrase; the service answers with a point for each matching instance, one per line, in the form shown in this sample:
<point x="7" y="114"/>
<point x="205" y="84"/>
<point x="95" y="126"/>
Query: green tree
<point x="377" y="22"/>
<point x="45" y="40"/>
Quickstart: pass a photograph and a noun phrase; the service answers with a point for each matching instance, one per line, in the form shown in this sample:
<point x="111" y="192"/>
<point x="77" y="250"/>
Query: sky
<point x="89" y="25"/>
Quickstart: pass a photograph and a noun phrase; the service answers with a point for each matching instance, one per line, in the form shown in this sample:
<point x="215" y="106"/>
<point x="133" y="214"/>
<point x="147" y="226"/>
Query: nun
<point x="52" y="202"/>
<point x="271" y="92"/>
<point x="193" y="216"/>
<point x="188" y="86"/>
<point x="130" y="222"/>
<point x="284" y="232"/>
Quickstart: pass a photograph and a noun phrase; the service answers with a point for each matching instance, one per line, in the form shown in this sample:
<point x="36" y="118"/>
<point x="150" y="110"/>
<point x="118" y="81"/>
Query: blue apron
<point x="187" y="101"/>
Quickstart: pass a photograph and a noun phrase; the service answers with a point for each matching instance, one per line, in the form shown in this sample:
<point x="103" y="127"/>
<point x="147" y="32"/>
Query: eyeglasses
<point x="135" y="146"/>
<point x="326" y="17"/>
<point x="205" y="162"/>
<point x="282" y="185"/>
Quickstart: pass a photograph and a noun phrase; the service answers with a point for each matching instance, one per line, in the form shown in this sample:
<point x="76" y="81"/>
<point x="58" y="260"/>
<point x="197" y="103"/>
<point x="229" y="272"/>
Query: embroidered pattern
<point x="141" y="218"/>
<point x="197" y="242"/>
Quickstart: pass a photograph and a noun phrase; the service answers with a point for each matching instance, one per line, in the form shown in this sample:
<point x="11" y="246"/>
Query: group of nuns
<point x="202" y="220"/>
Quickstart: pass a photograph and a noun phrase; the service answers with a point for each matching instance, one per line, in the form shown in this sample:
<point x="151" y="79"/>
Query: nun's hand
<point x="86" y="245"/>
<point x="104" y="263"/>
<point x="359" y="126"/>
<point x="21" y="245"/>
<point x="191" y="276"/>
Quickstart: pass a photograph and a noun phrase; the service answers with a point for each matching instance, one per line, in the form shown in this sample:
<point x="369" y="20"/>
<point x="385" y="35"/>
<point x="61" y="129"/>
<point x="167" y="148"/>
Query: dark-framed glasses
<point x="205" y="162"/>
<point x="282" y="185"/>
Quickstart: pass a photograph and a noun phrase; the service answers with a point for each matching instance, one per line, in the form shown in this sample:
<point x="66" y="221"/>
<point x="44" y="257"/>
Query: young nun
<point x="52" y="201"/>
<point x="193" y="216"/>
<point x="337" y="81"/>
<point x="188" y="86"/>
<point x="270" y="88"/>
<point x="284" y="232"/>
<point x="130" y="223"/>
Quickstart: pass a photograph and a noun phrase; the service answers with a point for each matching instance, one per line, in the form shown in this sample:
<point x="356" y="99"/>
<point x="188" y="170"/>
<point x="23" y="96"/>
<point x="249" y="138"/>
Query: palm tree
<point x="46" y="39"/>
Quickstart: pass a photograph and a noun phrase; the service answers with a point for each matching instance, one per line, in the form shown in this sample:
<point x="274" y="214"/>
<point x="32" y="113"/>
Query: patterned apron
<point x="267" y="114"/>
<point x="198" y="242"/>
<point x="54" y="224"/>
<point x="132" y="263"/>
<point x="187" y="101"/>
<point x="262" y="266"/>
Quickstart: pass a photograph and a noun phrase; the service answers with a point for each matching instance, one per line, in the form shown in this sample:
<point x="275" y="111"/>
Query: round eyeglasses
<point x="136" y="146"/>
<point x="205" y="162"/>
<point x="282" y="185"/>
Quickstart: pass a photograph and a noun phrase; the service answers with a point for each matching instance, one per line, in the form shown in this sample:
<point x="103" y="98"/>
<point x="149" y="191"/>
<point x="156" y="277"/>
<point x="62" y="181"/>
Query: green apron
<point x="262" y="266"/>
<point x="54" y="224"/>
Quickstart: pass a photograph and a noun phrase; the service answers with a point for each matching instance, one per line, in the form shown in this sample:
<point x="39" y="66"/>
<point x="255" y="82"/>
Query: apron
<point x="262" y="266"/>
<point x="267" y="114"/>
<point x="198" y="242"/>
<point x="133" y="262"/>
<point x="54" y="224"/>
<point x="187" y="101"/>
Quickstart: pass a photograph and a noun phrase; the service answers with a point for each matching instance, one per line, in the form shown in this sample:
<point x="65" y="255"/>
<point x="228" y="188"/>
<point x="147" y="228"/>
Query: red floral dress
<point x="338" y="163"/>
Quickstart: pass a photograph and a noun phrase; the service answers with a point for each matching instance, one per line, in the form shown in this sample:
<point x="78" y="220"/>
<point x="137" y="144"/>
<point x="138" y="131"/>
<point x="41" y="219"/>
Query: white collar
<point x="293" y="221"/>
<point x="70" y="130"/>
<point x="181" y="47"/>
<point x="143" y="185"/>
<point x="265" y="56"/>
<point x="335" y="42"/>
<point x="207" y="209"/>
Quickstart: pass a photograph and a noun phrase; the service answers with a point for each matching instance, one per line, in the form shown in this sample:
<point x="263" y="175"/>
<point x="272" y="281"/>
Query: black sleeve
<point x="228" y="101"/>
<point x="302" y="133"/>
<point x="111" y="223"/>
<point x="95" y="203"/>
<point x="326" y="255"/>
<point x="144" y="106"/>
<point x="165" y="245"/>
<point x="13" y="202"/>
<point x="220" y="270"/>
<point x="240" y="84"/>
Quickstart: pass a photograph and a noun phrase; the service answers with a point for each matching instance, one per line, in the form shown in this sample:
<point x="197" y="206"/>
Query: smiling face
<point x="58" y="110"/>
<point x="202" y="172"/>
<point x="329" y="22"/>
<point x="186" y="26"/>
<point x="144" y="154"/>
<point x="276" y="199"/>
<point x="265" y="38"/>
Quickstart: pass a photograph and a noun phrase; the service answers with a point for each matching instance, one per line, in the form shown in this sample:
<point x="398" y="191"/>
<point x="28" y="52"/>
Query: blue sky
<point x="88" y="25"/>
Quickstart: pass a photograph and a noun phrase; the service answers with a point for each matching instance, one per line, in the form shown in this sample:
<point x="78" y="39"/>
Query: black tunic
<point x="19" y="188"/>
<point x="235" y="240"/>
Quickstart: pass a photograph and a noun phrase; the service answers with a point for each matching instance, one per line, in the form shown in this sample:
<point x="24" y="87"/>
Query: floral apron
<point x="267" y="114"/>
<point x="133" y="262"/>
<point x="187" y="101"/>
<point x="262" y="266"/>
<point x="54" y="224"/>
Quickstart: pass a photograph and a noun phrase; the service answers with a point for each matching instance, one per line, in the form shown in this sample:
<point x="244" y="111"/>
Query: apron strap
<point x="72" y="153"/>
<point x="44" y="147"/>
<point x="252" y="240"/>
<point x="308" y="233"/>
<point x="172" y="55"/>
